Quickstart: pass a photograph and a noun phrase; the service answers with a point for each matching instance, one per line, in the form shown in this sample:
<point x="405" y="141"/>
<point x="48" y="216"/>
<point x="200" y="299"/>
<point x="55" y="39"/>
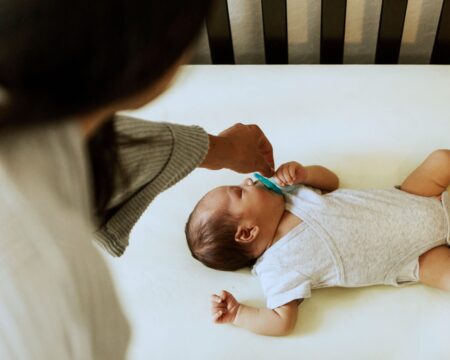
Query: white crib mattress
<point x="372" y="125"/>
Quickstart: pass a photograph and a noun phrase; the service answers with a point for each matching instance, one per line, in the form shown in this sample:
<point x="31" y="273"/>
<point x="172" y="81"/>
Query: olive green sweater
<point x="171" y="153"/>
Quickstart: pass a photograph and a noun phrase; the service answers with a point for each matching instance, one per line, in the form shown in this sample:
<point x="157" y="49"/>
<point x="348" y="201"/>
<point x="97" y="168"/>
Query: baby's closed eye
<point x="237" y="190"/>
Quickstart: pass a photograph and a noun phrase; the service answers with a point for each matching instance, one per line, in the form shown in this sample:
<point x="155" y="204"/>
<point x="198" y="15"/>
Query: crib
<point x="371" y="124"/>
<point x="313" y="31"/>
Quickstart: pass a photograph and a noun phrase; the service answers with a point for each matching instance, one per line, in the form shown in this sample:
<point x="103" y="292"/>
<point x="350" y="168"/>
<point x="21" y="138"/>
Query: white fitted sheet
<point x="372" y="125"/>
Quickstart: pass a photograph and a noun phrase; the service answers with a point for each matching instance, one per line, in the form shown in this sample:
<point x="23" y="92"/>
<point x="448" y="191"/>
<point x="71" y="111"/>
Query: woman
<point x="70" y="167"/>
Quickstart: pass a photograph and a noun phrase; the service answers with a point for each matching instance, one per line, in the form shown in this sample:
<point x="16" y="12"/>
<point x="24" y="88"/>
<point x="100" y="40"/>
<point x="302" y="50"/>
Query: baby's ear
<point x="246" y="235"/>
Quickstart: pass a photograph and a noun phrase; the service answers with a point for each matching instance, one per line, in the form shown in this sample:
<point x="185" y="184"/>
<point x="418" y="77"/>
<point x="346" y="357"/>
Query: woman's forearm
<point x="321" y="178"/>
<point x="218" y="153"/>
<point x="264" y="321"/>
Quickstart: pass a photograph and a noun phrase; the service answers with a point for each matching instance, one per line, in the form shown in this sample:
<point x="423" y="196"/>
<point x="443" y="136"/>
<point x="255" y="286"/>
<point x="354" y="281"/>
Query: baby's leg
<point x="432" y="177"/>
<point x="434" y="268"/>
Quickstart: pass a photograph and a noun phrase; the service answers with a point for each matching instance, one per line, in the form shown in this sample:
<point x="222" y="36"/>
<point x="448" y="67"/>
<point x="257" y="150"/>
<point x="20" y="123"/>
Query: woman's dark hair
<point x="211" y="241"/>
<point x="59" y="59"/>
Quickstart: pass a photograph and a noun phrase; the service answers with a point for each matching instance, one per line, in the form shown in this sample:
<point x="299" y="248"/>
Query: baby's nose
<point x="247" y="182"/>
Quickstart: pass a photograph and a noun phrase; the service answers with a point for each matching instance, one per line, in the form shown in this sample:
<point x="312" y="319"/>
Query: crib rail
<point x="219" y="34"/>
<point x="441" y="49"/>
<point x="332" y="31"/>
<point x="275" y="31"/>
<point x="390" y="31"/>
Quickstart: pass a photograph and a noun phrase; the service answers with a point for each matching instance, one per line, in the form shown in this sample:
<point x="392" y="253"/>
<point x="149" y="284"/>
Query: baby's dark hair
<point x="212" y="242"/>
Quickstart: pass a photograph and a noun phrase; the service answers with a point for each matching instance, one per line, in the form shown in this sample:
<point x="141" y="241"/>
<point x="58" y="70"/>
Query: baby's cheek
<point x="267" y="197"/>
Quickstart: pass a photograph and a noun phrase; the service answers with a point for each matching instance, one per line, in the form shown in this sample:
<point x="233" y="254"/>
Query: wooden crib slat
<point x="275" y="31"/>
<point x="441" y="49"/>
<point x="390" y="32"/>
<point x="332" y="31"/>
<point x="219" y="34"/>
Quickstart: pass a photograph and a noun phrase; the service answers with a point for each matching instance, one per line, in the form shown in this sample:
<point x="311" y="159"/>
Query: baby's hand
<point x="290" y="173"/>
<point x="224" y="307"/>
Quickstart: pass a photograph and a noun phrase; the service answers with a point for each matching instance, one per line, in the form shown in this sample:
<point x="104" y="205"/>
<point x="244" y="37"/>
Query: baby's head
<point x="231" y="226"/>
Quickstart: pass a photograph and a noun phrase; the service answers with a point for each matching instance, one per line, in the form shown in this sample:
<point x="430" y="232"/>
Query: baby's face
<point x="249" y="201"/>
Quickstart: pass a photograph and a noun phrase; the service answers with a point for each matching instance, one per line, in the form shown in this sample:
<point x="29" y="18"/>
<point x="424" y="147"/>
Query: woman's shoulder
<point x="44" y="198"/>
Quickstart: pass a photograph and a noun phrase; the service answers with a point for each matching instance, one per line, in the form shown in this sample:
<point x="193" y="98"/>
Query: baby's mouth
<point x="260" y="185"/>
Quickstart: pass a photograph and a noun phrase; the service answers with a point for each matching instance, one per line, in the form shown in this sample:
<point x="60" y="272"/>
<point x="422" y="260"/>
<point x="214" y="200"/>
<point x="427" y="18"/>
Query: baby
<point x="314" y="236"/>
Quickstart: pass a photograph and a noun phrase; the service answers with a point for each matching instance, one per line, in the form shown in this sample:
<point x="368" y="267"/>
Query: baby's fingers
<point x="226" y="296"/>
<point x="214" y="310"/>
<point x="279" y="176"/>
<point x="291" y="169"/>
<point x="216" y="299"/>
<point x="284" y="176"/>
<point x="217" y="316"/>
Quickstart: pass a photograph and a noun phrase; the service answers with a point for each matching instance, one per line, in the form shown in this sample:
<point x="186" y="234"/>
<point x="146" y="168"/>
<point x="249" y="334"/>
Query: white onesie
<point x="351" y="238"/>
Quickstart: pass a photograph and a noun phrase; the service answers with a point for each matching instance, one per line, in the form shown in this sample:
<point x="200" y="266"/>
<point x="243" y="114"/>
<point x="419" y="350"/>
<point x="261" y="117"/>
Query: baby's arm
<point x="277" y="322"/>
<point x="315" y="176"/>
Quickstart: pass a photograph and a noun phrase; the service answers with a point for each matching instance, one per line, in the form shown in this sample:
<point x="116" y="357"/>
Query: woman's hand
<point x="291" y="173"/>
<point x="224" y="307"/>
<point x="242" y="148"/>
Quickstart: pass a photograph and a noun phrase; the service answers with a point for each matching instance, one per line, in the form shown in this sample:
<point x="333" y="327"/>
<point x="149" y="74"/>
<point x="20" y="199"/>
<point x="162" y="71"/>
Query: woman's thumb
<point x="266" y="169"/>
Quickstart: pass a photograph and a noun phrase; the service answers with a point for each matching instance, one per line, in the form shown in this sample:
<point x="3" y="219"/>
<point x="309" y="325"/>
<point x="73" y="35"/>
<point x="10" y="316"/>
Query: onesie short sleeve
<point x="281" y="286"/>
<point x="298" y="262"/>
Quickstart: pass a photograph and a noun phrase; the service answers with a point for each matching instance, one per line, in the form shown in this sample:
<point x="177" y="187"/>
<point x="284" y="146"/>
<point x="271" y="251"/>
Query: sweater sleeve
<point x="168" y="154"/>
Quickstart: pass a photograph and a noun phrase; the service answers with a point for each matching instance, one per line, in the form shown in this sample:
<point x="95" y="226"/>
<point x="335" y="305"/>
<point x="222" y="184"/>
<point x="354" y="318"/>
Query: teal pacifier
<point x="271" y="185"/>
<point x="268" y="183"/>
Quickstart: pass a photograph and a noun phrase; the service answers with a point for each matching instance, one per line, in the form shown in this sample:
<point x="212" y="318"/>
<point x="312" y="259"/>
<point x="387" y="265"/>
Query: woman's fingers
<point x="265" y="147"/>
<point x="245" y="149"/>
<point x="266" y="151"/>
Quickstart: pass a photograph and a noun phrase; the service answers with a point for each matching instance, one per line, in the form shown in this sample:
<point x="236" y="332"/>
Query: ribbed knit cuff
<point x="190" y="146"/>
